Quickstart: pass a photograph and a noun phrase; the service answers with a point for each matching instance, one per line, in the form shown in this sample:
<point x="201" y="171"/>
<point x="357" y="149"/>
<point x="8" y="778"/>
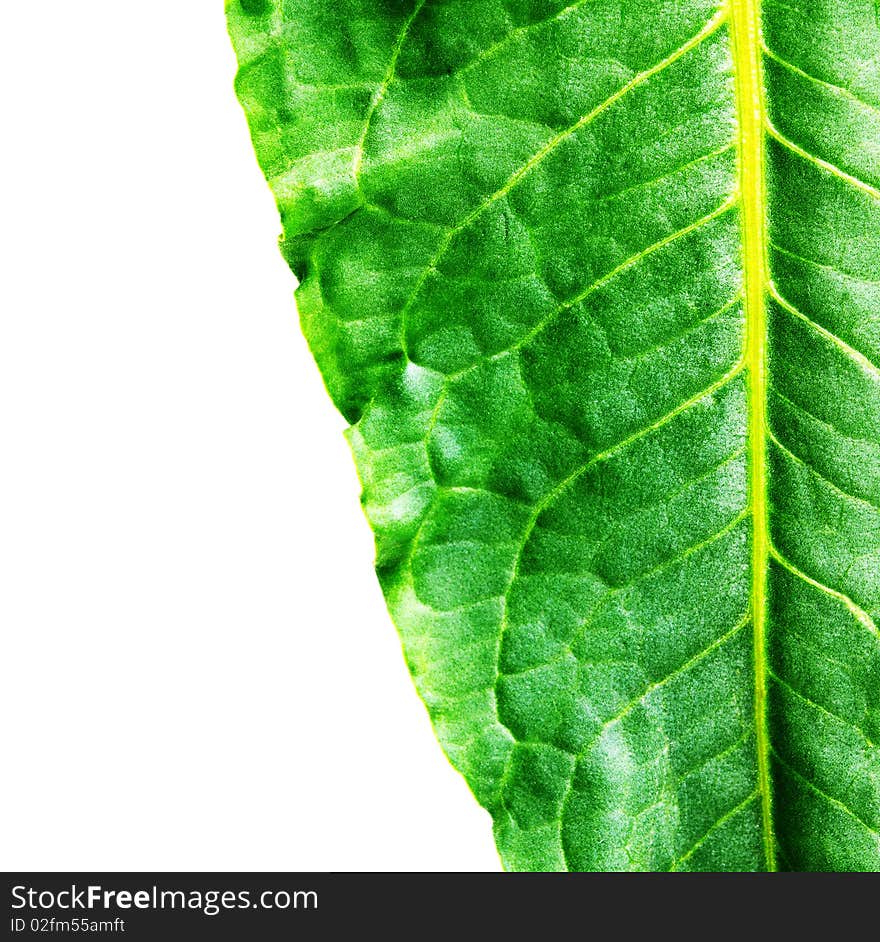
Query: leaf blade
<point x="540" y="289"/>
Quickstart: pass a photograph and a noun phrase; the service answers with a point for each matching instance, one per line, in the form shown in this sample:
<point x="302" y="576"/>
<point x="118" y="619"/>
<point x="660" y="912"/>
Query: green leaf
<point x="597" y="285"/>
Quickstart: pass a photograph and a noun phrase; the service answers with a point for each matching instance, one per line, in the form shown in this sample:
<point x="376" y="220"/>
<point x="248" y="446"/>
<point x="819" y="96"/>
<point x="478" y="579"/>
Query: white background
<point x="198" y="669"/>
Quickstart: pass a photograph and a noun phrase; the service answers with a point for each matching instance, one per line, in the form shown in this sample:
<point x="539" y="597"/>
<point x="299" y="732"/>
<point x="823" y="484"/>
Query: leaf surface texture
<point x="597" y="285"/>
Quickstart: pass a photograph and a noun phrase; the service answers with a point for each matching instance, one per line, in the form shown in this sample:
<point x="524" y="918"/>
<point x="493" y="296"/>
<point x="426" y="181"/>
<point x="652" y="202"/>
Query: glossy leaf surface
<point x="597" y="285"/>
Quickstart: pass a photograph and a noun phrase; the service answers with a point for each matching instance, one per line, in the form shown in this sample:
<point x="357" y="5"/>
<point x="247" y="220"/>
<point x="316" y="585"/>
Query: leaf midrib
<point x="751" y="122"/>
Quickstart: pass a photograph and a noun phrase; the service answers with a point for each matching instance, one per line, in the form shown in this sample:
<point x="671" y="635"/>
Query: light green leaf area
<point x="597" y="285"/>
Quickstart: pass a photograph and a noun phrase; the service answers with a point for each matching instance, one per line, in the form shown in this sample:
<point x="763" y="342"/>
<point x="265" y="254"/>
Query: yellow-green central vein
<point x="746" y="32"/>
